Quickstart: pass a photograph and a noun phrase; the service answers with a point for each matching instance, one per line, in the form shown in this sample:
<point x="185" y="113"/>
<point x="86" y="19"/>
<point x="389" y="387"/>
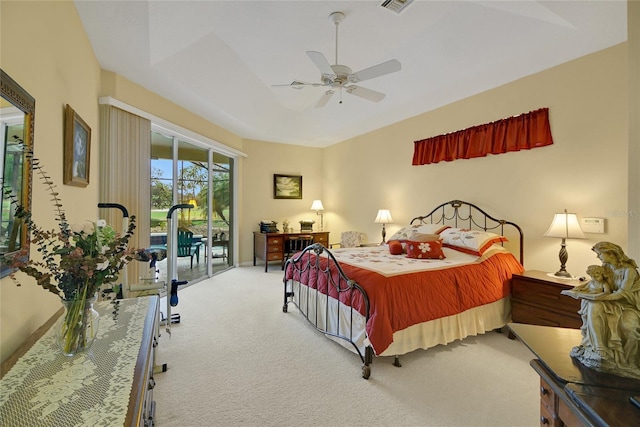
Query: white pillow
<point x="406" y="233"/>
<point x="474" y="242"/>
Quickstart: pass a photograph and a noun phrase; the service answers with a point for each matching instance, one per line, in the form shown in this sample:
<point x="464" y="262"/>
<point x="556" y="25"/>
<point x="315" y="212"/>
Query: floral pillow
<point x="474" y="242"/>
<point x="406" y="233"/>
<point x="425" y="250"/>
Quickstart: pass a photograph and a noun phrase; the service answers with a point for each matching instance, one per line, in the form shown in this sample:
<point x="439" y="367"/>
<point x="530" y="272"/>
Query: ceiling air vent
<point x="396" y="6"/>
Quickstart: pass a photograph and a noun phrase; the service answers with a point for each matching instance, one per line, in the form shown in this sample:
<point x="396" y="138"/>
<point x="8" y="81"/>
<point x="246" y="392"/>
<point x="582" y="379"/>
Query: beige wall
<point x="265" y="159"/>
<point x="584" y="171"/>
<point x="52" y="59"/>
<point x="633" y="13"/>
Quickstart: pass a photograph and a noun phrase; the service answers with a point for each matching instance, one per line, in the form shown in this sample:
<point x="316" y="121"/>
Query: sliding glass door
<point x="188" y="173"/>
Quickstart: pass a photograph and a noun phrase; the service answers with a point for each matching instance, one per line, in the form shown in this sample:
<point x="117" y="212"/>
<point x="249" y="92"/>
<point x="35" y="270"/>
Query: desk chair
<point x="294" y="244"/>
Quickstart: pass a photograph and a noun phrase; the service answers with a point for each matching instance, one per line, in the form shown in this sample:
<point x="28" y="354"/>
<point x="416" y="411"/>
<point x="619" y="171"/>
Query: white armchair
<point x="350" y="239"/>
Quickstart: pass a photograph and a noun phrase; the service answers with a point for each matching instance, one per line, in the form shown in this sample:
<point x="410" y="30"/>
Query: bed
<point x="450" y="280"/>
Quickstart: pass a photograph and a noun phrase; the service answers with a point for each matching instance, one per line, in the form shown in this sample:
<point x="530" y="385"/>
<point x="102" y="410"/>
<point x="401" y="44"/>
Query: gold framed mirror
<point x="17" y="114"/>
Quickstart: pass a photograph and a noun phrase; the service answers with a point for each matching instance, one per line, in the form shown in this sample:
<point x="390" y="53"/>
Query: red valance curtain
<point x="516" y="133"/>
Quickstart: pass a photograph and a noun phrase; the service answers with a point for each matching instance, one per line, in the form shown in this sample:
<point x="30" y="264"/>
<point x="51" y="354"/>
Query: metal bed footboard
<point x="329" y="294"/>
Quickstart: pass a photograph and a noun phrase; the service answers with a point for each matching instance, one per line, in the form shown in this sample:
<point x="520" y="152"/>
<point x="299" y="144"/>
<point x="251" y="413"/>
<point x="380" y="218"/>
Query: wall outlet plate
<point x="592" y="225"/>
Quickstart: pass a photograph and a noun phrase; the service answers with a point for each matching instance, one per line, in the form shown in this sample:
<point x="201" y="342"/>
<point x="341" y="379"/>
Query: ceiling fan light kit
<point x="338" y="76"/>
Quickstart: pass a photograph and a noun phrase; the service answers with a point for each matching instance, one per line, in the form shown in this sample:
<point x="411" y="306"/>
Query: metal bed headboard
<point x="458" y="213"/>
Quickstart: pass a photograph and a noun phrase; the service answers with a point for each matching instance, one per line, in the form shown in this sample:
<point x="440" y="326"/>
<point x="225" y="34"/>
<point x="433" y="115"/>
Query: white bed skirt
<point x="425" y="335"/>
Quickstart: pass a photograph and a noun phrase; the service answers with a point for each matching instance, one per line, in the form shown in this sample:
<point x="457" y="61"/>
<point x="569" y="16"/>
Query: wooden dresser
<point x="571" y="394"/>
<point x="536" y="300"/>
<point x="270" y="246"/>
<point x="111" y="384"/>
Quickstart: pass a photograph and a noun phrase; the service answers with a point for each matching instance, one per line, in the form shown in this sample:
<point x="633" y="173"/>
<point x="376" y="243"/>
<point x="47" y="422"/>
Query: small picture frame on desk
<point x="287" y="186"/>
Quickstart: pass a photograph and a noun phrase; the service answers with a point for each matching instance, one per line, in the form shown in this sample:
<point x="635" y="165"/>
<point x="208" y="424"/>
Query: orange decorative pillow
<point x="395" y="247"/>
<point x="425" y="250"/>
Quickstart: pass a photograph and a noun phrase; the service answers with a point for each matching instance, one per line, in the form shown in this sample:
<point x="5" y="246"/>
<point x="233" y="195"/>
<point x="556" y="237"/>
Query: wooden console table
<point x="109" y="385"/>
<point x="571" y="394"/>
<point x="270" y="246"/>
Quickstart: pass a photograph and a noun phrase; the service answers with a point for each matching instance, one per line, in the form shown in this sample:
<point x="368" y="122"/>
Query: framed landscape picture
<point x="77" y="148"/>
<point x="287" y="186"/>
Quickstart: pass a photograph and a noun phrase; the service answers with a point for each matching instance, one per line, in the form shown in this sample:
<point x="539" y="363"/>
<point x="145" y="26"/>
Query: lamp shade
<point x="193" y="202"/>
<point x="566" y="226"/>
<point x="383" y="217"/>
<point x="317" y="205"/>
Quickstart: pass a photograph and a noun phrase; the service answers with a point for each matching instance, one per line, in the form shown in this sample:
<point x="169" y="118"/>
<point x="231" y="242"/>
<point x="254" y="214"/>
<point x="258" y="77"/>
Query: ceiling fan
<point x="338" y="77"/>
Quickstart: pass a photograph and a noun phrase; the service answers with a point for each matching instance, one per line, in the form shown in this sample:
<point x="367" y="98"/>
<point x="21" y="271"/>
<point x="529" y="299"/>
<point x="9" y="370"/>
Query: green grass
<point x="159" y="219"/>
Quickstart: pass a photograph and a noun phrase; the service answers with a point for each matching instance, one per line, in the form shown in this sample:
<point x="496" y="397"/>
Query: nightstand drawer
<point x="543" y="294"/>
<point x="533" y="315"/>
<point x="536" y="299"/>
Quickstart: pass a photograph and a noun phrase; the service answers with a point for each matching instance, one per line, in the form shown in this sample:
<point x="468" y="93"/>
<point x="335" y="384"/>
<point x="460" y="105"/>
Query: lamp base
<point x="562" y="273"/>
<point x="569" y="277"/>
<point x="384" y="235"/>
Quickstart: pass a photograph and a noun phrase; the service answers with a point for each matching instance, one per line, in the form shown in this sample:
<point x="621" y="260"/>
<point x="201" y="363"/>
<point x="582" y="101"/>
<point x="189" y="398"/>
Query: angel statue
<point x="610" y="310"/>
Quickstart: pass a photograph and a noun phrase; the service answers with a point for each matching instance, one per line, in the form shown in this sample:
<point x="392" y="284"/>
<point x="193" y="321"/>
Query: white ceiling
<point x="219" y="59"/>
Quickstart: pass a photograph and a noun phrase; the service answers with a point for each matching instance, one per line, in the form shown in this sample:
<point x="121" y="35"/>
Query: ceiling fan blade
<point x="298" y="84"/>
<point x="322" y="64"/>
<point x="365" y="93"/>
<point x="376" y="71"/>
<point x="294" y="84"/>
<point x="325" y="98"/>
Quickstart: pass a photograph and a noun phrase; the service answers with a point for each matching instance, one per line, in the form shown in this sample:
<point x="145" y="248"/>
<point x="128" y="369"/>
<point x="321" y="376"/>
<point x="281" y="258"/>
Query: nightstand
<point x="536" y="300"/>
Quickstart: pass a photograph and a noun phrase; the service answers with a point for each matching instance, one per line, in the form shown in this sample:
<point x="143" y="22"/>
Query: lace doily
<point x="90" y="389"/>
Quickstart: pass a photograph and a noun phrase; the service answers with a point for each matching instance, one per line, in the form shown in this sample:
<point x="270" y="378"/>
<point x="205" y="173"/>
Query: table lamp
<point x="317" y="206"/>
<point x="566" y="226"/>
<point x="383" y="217"/>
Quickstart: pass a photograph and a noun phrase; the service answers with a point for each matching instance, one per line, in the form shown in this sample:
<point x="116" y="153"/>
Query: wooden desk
<point x="571" y="394"/>
<point x="270" y="246"/>
<point x="109" y="385"/>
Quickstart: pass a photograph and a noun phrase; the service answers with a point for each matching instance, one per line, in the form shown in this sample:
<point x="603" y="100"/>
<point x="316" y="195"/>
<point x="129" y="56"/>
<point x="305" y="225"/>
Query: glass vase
<point x="77" y="328"/>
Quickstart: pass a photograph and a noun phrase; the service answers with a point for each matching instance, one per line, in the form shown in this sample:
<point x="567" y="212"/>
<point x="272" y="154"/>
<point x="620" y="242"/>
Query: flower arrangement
<point x="75" y="261"/>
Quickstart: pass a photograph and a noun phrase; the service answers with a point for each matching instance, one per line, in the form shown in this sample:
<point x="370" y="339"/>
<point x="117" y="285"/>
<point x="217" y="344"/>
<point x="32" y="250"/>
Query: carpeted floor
<point x="236" y="359"/>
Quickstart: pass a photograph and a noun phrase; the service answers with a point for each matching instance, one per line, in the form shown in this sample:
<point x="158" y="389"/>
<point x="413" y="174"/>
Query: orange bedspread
<point x="403" y="300"/>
